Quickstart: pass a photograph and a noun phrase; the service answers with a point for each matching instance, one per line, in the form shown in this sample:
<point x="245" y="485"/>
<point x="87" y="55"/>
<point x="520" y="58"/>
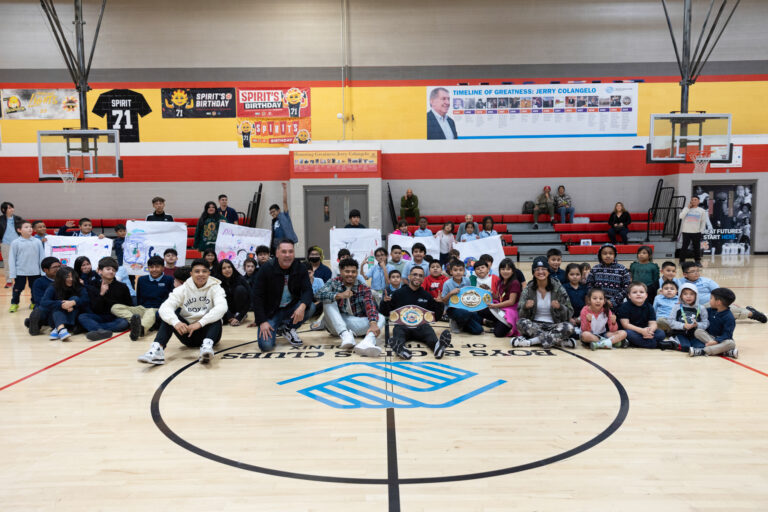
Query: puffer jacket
<point x="563" y="314"/>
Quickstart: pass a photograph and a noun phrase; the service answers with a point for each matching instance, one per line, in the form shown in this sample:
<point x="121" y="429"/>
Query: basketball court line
<point x="59" y="362"/>
<point x="745" y="366"/>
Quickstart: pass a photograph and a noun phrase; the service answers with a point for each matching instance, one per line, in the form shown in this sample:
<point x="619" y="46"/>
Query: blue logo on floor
<point x="381" y="385"/>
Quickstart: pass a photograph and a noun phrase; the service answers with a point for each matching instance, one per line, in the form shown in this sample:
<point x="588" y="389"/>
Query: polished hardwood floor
<point x="84" y="426"/>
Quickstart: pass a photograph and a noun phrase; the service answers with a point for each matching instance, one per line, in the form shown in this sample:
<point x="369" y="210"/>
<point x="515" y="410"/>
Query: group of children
<point x="604" y="306"/>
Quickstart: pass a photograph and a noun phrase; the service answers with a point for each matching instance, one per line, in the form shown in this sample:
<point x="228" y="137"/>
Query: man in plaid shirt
<point x="351" y="311"/>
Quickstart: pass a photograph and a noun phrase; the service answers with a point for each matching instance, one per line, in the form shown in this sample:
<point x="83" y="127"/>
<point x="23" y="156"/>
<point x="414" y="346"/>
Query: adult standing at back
<point x="282" y="294"/>
<point x="694" y="220"/>
<point x="409" y="205"/>
<point x="8" y="224"/>
<point x="227" y="214"/>
<point x="159" y="215"/>
<point x="619" y="221"/>
<point x="282" y="227"/>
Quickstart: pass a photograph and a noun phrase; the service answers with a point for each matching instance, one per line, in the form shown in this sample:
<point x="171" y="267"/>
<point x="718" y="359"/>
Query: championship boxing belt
<point x="411" y="316"/>
<point x="471" y="298"/>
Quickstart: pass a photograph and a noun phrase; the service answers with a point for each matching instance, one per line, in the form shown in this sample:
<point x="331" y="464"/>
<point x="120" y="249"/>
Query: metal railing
<point x="664" y="221"/>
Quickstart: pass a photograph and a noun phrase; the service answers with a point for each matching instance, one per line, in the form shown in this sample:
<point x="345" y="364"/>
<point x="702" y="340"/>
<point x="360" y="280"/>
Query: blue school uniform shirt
<point x="704" y="285"/>
<point x="486" y="234"/>
<point x="317" y="283"/>
<point x="577" y="297"/>
<point x="468" y="237"/>
<point x="151" y="292"/>
<point x="408" y="266"/>
<point x="663" y="306"/>
<point x="378" y="281"/>
<point x="423" y="232"/>
<point x="391" y="290"/>
<point x="721" y="324"/>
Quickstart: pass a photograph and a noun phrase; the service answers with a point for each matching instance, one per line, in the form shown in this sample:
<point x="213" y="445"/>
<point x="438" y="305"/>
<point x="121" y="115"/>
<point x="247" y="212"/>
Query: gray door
<point x="329" y="206"/>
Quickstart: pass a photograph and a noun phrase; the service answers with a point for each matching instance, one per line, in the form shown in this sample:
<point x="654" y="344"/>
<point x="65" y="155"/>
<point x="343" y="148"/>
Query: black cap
<point x="539" y="262"/>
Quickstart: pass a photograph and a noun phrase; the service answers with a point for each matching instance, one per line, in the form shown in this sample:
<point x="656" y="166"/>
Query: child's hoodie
<point x="692" y="313"/>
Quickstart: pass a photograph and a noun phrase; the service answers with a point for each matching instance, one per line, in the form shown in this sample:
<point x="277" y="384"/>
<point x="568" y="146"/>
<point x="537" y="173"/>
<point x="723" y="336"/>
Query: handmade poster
<point x="406" y="242"/>
<point x="362" y="243"/>
<point x="470" y="252"/>
<point x="264" y="132"/>
<point x="237" y="243"/>
<point x="291" y="102"/>
<point x="146" y="239"/>
<point x="69" y="248"/>
<point x="40" y="104"/>
<point x="196" y="102"/>
<point x="530" y="111"/>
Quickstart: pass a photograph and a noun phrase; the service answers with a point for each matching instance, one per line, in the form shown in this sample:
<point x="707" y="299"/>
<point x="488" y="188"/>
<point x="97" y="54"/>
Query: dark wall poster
<point x="730" y="217"/>
<point x="196" y="102"/>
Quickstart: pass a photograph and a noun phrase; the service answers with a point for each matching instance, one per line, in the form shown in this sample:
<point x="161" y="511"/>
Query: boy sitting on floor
<point x="151" y="292"/>
<point x="718" y="337"/>
<point x="100" y="322"/>
<point x="40" y="315"/>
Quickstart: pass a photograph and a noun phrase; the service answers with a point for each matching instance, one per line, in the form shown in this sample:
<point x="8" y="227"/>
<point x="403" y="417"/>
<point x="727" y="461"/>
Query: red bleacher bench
<point x="506" y="239"/>
<point x="193" y="254"/>
<point x="603" y="217"/>
<point x="514" y="219"/>
<point x="510" y="250"/>
<point x="593" y="249"/>
<point x="603" y="226"/>
<point x="576" y="238"/>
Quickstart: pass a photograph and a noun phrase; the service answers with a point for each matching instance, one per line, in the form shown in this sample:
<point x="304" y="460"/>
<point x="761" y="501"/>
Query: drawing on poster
<point x="238" y="243"/>
<point x="146" y="239"/>
<point x="362" y="243"/>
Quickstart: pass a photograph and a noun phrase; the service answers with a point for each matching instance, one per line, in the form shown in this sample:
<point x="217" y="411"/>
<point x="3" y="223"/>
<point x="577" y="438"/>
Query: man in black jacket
<point x="100" y="322"/>
<point x="281" y="295"/>
<point x="415" y="295"/>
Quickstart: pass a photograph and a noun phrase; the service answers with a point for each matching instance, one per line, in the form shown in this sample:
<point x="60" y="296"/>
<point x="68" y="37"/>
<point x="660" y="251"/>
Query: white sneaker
<point x="206" y="351"/>
<point x="368" y="347"/>
<point x="293" y="338"/>
<point x="733" y="353"/>
<point x="347" y="341"/>
<point x="317" y="325"/>
<point x="519" y="341"/>
<point x="155" y="355"/>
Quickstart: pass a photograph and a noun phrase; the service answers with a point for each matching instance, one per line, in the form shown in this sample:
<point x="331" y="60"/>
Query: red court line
<point x="738" y="363"/>
<point x="59" y="362"/>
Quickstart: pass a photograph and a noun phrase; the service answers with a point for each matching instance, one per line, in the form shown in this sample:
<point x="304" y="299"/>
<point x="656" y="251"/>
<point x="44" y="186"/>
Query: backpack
<point x="528" y="207"/>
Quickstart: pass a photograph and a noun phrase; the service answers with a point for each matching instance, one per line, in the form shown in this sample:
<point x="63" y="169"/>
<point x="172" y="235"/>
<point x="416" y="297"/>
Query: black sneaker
<point x="757" y="315"/>
<point x="404" y="353"/>
<point x="669" y="344"/>
<point x="34" y="322"/>
<point x="135" y="323"/>
<point x="443" y="342"/>
<point x="26" y="323"/>
<point x="99" y="334"/>
<point x="535" y="226"/>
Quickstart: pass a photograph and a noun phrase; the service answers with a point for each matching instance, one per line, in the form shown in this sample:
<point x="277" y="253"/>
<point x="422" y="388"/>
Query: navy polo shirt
<point x="151" y="293"/>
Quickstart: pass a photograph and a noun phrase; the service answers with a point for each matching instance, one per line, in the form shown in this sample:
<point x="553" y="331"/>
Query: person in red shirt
<point x="433" y="283"/>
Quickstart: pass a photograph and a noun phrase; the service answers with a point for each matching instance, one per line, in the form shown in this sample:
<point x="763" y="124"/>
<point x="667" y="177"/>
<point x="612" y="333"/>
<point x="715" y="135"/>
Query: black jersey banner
<point x="195" y="102"/>
<point x="123" y="108"/>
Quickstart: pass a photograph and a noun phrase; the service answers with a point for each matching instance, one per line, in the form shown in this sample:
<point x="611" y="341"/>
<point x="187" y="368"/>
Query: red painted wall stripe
<point x="397" y="166"/>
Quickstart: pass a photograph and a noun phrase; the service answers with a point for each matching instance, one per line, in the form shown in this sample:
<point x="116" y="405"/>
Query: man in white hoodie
<point x="695" y="220"/>
<point x="194" y="311"/>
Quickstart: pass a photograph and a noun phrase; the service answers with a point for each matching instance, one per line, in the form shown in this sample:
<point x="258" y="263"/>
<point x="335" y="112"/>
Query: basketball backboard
<point x="95" y="153"/>
<point x="675" y="137"/>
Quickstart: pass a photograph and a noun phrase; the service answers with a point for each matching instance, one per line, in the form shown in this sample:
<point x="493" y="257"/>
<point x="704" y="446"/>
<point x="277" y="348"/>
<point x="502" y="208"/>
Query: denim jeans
<point x="636" y="339"/>
<point x="468" y="321"/>
<point x="18" y="286"/>
<point x="108" y="322"/>
<point x="566" y="210"/>
<point x="282" y="318"/>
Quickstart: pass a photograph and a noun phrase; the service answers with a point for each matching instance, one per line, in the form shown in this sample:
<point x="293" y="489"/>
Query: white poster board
<point x="406" y="242"/>
<point x="362" y="243"/>
<point x="237" y="243"/>
<point x="69" y="248"/>
<point x="471" y="251"/>
<point x="146" y="239"/>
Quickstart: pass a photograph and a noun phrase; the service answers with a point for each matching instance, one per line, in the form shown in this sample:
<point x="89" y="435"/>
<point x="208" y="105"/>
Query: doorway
<point x="329" y="206"/>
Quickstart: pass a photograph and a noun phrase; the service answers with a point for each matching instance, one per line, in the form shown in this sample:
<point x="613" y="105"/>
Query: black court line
<point x="392" y="474"/>
<point x="390" y="480"/>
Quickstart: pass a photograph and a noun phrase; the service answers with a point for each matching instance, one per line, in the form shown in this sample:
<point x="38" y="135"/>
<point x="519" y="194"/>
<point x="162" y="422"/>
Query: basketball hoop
<point x="700" y="160"/>
<point x="69" y="176"/>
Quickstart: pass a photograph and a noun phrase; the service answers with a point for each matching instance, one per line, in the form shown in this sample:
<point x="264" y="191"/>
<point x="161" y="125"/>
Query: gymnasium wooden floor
<point x="83" y="426"/>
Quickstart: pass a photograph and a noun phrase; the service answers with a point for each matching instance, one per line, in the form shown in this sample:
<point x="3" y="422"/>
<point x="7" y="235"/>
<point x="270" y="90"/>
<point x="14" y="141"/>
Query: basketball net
<point x="700" y="161"/>
<point x="69" y="177"/>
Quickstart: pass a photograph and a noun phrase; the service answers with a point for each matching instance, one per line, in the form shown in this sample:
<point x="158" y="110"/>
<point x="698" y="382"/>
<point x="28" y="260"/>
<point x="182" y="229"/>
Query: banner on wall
<point x="291" y="102"/>
<point x="406" y="242"/>
<point x="336" y="161"/>
<point x="184" y="102"/>
<point x="529" y="111"/>
<point x="69" y="248"/>
<point x="255" y="132"/>
<point x="237" y="243"/>
<point x="123" y="108"/>
<point x="470" y="252"/>
<point x="146" y="239"/>
<point x="362" y="243"/>
<point x="40" y="104"/>
<point x="729" y="230"/>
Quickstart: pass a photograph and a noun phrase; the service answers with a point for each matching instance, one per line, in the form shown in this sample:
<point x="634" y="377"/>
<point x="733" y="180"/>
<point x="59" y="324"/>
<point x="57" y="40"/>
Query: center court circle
<point x="594" y="441"/>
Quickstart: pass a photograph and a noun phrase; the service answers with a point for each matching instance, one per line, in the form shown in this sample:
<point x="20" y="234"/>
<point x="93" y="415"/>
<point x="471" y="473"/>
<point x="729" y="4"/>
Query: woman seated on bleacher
<point x="618" y="222"/>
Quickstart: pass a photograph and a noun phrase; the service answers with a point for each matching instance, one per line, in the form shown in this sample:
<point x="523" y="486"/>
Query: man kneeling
<point x="351" y="311"/>
<point x="194" y="310"/>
